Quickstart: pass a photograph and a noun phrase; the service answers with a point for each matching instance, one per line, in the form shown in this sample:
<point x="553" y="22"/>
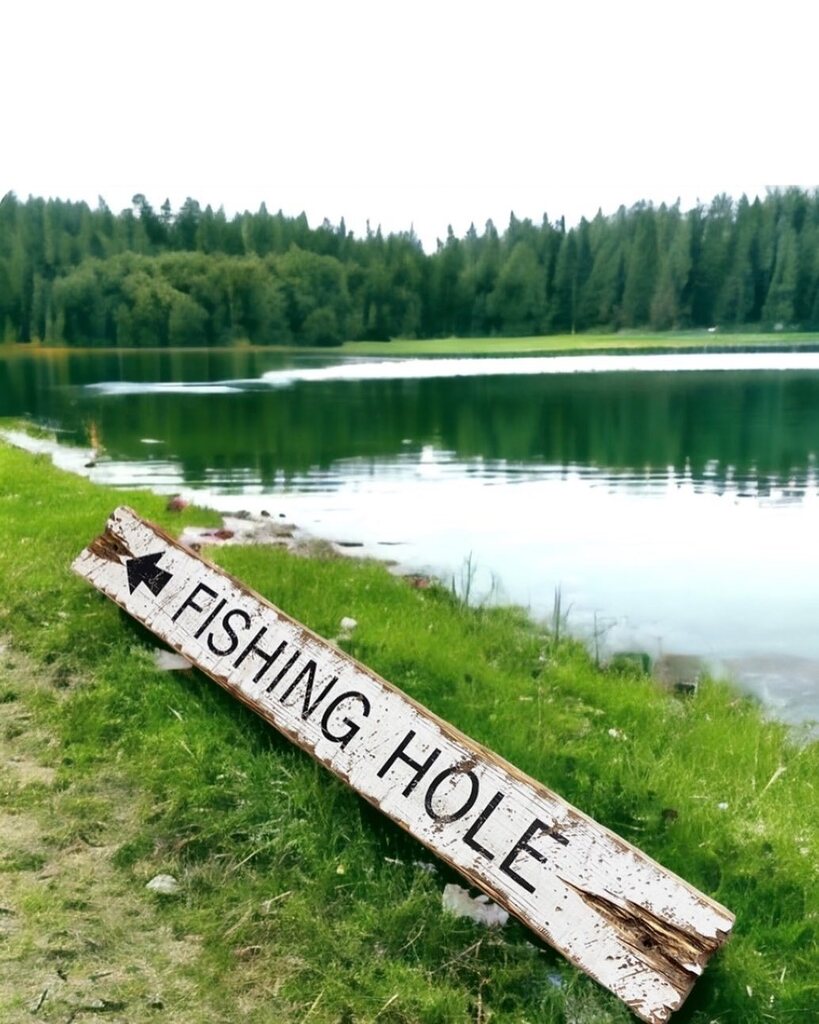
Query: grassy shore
<point x="297" y="901"/>
<point x="551" y="344"/>
<point x="554" y="344"/>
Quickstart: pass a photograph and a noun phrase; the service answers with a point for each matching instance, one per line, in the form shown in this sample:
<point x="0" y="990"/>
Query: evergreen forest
<point x="73" y="275"/>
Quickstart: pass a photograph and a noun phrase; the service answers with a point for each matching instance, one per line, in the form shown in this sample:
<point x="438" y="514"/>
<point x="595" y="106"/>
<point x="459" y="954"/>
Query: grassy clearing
<point x="669" y="341"/>
<point x="297" y="900"/>
<point x="551" y="344"/>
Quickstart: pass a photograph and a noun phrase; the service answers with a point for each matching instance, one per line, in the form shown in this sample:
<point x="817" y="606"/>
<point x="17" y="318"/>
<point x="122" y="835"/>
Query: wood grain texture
<point x="637" y="928"/>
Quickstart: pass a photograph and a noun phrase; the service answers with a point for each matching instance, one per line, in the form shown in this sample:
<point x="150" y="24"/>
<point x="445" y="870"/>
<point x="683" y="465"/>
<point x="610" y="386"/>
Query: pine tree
<point x="641" y="269"/>
<point x="780" y="304"/>
<point x="518" y="302"/>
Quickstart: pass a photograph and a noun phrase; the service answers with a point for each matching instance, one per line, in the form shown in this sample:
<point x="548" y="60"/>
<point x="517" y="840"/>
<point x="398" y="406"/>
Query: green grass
<point x="292" y="906"/>
<point x="668" y="341"/>
<point x="552" y="344"/>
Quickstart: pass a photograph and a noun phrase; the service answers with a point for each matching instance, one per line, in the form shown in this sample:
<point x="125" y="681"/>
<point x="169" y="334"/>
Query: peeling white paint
<point x="638" y="929"/>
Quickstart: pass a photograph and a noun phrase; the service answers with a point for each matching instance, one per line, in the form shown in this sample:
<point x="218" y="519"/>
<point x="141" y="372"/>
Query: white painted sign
<point x="638" y="929"/>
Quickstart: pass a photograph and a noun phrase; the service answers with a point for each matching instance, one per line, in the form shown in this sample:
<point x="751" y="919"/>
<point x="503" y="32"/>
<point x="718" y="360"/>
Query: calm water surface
<point x="672" y="499"/>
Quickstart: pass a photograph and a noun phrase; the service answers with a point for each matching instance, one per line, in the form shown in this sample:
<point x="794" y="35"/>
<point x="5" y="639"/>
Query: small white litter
<point x="169" y="661"/>
<point x="347" y="624"/>
<point x="456" y="900"/>
<point x="165" y="885"/>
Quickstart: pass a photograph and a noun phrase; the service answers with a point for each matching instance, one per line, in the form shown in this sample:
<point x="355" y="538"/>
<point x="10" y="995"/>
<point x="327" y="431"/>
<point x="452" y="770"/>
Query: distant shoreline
<point x="562" y="344"/>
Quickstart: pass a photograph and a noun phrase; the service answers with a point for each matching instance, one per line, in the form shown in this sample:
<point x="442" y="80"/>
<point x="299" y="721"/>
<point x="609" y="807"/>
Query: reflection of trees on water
<point x="745" y="431"/>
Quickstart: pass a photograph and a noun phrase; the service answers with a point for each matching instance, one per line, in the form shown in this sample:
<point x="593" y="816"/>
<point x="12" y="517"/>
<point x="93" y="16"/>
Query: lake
<point x="671" y="500"/>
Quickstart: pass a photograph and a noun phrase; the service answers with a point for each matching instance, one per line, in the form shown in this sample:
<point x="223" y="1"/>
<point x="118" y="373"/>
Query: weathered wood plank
<point x="638" y="929"/>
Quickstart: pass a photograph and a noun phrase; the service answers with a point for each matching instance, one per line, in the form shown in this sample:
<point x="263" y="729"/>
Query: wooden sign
<point x="638" y="929"/>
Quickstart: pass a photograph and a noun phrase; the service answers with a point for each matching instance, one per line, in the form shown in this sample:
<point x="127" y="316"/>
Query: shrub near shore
<point x="298" y="901"/>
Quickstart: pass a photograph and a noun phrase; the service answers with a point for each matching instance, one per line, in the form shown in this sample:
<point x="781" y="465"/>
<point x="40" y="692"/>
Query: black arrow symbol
<point x="145" y="570"/>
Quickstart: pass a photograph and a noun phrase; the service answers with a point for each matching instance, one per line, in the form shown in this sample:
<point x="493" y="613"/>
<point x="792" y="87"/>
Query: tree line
<point x="70" y="274"/>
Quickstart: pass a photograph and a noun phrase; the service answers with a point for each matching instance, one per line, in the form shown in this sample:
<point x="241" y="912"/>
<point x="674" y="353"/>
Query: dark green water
<point x="680" y="507"/>
<point x="751" y="427"/>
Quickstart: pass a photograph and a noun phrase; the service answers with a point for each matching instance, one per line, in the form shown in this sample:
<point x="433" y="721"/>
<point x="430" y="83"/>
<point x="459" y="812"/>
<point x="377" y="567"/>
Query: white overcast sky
<point x="423" y="113"/>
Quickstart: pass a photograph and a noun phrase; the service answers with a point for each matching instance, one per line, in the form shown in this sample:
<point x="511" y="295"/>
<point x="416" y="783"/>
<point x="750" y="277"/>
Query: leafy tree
<point x="187" y="322"/>
<point x="321" y="328"/>
<point x="312" y="283"/>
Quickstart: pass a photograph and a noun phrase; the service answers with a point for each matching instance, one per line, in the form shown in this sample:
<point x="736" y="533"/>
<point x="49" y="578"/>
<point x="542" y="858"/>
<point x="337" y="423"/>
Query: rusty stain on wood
<point x="109" y="547"/>
<point x="637" y="928"/>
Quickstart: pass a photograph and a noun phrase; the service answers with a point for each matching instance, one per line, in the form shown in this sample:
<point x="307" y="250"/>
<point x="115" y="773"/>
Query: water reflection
<point x="756" y="432"/>
<point x="677" y="509"/>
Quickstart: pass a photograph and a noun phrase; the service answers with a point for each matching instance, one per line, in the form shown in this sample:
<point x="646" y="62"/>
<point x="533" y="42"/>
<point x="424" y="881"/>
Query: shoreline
<point x="619" y="343"/>
<point x="673" y="671"/>
<point x="239" y="527"/>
